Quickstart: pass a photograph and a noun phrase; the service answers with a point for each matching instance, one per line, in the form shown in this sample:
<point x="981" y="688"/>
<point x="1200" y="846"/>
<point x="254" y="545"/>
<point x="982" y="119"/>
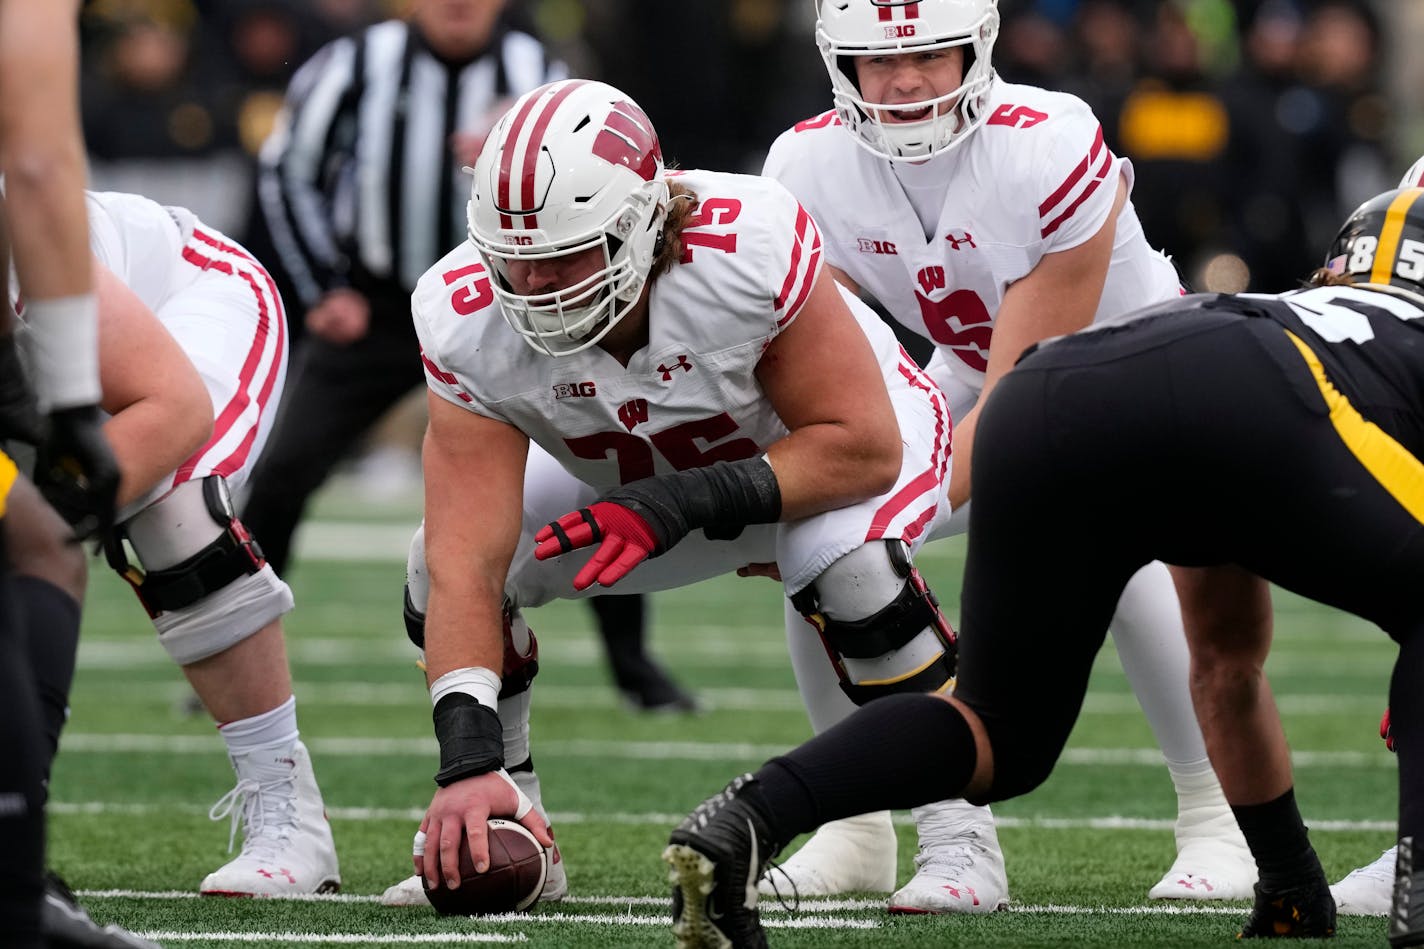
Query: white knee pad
<point x="882" y="624"/>
<point x="196" y="570"/>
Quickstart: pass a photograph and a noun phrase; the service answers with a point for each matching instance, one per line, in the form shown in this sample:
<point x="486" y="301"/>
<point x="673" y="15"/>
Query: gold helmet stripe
<point x="1388" y="248"/>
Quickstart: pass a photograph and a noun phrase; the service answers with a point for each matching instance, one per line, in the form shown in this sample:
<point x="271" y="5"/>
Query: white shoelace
<point x="266" y="816"/>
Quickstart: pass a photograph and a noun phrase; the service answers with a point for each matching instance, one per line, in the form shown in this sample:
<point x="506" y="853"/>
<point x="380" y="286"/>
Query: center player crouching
<point x="664" y="339"/>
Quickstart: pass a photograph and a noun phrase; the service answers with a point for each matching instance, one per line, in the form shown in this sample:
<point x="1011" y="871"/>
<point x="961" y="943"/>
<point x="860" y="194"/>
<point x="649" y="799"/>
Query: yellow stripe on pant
<point x="1391" y="464"/>
<point x="8" y="473"/>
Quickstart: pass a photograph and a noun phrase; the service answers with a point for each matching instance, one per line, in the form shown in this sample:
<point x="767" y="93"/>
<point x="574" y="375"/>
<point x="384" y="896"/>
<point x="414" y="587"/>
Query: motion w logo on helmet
<point x="628" y="139"/>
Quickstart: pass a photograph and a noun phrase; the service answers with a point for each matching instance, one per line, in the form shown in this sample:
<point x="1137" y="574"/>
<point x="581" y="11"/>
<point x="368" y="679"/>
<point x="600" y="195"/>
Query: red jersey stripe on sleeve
<point x="446" y="377"/>
<point x="1074" y="176"/>
<point x="801" y="275"/>
<point x="1099" y="174"/>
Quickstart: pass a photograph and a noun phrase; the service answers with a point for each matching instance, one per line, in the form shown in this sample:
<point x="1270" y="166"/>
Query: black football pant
<point x="1198" y="440"/>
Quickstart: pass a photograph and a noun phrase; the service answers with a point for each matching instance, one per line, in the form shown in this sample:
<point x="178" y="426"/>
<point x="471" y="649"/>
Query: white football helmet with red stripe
<point x="572" y="165"/>
<point x="847" y="28"/>
<point x="1414" y="177"/>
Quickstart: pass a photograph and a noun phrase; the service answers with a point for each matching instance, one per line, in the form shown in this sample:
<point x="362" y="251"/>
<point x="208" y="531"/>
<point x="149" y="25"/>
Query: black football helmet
<point x="1381" y="245"/>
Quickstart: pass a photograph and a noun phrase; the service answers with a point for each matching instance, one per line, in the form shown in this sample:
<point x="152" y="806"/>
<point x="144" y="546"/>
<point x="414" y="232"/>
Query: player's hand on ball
<point x="461" y="811"/>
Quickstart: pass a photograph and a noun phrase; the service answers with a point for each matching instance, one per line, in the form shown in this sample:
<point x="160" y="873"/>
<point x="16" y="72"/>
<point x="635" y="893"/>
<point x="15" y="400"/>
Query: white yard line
<point x="655" y="819"/>
<point x="370" y="746"/>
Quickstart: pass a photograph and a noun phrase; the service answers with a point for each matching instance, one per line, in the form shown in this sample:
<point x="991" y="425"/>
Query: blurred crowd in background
<point x="1254" y="126"/>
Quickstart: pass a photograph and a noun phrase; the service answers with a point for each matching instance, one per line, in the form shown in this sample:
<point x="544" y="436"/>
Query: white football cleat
<point x="844" y="856"/>
<point x="960" y="866"/>
<point x="1368" y="891"/>
<point x="1213" y="861"/>
<point x="287" y="847"/>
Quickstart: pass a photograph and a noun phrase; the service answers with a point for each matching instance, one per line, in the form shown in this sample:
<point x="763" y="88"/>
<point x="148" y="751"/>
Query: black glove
<point x="76" y="470"/>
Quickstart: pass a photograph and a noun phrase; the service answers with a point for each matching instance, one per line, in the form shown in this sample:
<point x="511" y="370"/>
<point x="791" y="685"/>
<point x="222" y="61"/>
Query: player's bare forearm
<point x="41" y="147"/>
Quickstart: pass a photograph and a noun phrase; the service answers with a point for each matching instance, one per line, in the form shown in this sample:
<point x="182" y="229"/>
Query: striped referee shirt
<point x="361" y="180"/>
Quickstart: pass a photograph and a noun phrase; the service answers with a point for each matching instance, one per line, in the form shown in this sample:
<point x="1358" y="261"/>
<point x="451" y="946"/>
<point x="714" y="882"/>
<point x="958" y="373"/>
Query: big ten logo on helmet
<point x="627" y="138"/>
<point x="899" y="31"/>
<point x="519" y="240"/>
<point x="574" y="390"/>
<point x="868" y="245"/>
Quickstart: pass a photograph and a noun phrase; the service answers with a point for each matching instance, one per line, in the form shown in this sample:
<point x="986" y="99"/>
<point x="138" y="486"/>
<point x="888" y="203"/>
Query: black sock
<point x="1406" y="714"/>
<point x="896" y="752"/>
<point x="1277" y="837"/>
<point x="52" y="631"/>
<point x="21" y="790"/>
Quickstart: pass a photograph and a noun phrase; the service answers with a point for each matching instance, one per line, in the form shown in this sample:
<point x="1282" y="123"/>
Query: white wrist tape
<point x="525" y="805"/>
<point x="62" y="342"/>
<point x="479" y="683"/>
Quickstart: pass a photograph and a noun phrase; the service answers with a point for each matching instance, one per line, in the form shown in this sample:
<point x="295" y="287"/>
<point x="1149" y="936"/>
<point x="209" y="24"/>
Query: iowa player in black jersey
<point x="1247" y="439"/>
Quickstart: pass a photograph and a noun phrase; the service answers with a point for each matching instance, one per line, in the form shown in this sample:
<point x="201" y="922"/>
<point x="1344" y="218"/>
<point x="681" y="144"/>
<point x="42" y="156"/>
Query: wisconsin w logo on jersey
<point x="633" y="413"/>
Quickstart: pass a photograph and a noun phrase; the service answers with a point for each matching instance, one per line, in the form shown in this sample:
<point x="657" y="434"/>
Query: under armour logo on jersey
<point x="954" y="241"/>
<point x="574" y="390"/>
<point x="681" y="363"/>
<point x="633" y="413"/>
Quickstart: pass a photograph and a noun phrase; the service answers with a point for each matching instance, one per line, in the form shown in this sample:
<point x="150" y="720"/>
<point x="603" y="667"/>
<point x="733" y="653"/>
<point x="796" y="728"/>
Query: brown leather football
<point x="515" y="878"/>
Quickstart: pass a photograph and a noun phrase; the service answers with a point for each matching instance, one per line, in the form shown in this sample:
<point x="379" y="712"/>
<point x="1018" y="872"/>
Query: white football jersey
<point x="1035" y="178"/>
<point x="691" y="396"/>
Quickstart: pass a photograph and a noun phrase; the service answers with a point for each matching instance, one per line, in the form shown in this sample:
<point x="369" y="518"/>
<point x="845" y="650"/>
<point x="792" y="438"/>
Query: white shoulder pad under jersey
<point x="1034" y="179"/>
<point x="140" y="240"/>
<point x="751" y="255"/>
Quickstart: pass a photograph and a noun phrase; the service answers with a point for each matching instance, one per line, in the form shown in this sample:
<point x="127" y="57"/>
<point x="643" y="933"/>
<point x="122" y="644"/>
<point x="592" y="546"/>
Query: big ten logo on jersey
<point x="1016" y="116"/>
<point x="712" y="212"/>
<point x="575" y="390"/>
<point x="627" y="138"/>
<point x="955" y="319"/>
<point x="868" y="245"/>
<point x="695" y="444"/>
<point x="472" y="291"/>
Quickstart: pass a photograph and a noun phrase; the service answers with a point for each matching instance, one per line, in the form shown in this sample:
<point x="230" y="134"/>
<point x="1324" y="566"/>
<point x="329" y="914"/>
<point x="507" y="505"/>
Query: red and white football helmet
<point x="572" y="165"/>
<point x="1414" y="177"/>
<point x="847" y="28"/>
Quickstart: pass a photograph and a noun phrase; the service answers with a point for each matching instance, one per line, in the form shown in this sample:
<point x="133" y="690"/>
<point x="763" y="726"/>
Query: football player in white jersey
<point x="1368" y="890"/>
<point x="985" y="216"/>
<point x="663" y="339"/>
<point x="193" y="350"/>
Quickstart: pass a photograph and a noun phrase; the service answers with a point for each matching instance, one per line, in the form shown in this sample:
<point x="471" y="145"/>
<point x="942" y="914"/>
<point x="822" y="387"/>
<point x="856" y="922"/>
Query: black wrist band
<point x="720" y="498"/>
<point x="471" y="738"/>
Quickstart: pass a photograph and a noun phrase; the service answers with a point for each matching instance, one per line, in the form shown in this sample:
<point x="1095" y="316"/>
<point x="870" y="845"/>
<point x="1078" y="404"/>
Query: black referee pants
<point x="334" y="394"/>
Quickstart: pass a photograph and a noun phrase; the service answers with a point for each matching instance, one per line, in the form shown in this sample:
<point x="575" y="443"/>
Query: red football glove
<point x="1385" y="732"/>
<point x="627" y="540"/>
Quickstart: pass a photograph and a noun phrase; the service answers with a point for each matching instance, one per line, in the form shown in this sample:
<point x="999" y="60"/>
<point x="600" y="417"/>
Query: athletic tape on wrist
<point x="62" y="343"/>
<point x="477" y="682"/>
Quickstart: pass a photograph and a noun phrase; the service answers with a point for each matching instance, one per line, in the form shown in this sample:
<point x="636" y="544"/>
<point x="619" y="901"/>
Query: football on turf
<point x="515" y="878"/>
